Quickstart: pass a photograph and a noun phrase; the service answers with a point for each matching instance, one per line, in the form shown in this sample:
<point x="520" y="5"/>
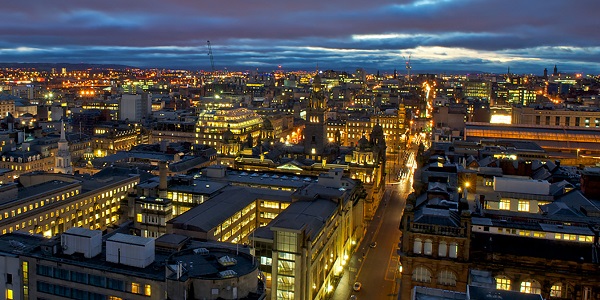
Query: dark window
<point x="61" y="274"/>
<point x="567" y="121"/>
<point x="97" y="280"/>
<point x="548" y="120"/>
<point x="44" y="270"/>
<point x="557" y="121"/>
<point x="537" y="120"/>
<point x="45" y="287"/>
<point x="79" y="277"/>
<point x="115" y="284"/>
<point x="8" y="278"/>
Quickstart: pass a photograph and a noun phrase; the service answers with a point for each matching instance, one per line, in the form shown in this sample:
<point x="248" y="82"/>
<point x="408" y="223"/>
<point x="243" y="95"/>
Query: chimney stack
<point x="162" y="175"/>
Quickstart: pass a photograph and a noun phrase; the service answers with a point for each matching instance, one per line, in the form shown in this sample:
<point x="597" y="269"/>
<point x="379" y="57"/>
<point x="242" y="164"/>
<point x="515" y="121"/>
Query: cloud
<point x="440" y="34"/>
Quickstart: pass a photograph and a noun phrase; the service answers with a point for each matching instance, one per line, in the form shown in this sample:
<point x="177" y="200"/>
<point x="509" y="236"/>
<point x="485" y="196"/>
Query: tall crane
<point x="408" y="66"/>
<point x="212" y="61"/>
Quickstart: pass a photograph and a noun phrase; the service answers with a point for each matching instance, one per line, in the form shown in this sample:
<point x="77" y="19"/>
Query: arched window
<point x="428" y="248"/>
<point x="453" y="251"/>
<point x="502" y="283"/>
<point x="531" y="287"/>
<point x="417" y="246"/>
<point x="447" y="277"/>
<point x="442" y="249"/>
<point x="421" y="274"/>
<point x="556" y="290"/>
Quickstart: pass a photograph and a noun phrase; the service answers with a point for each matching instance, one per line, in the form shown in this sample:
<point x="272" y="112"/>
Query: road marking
<point x="391" y="268"/>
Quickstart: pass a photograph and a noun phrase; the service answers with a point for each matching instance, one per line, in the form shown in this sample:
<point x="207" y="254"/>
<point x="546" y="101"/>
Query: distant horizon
<point x="351" y="70"/>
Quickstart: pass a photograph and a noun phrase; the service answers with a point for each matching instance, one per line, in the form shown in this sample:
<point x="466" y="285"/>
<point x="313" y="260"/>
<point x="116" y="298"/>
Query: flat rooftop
<point x="217" y="209"/>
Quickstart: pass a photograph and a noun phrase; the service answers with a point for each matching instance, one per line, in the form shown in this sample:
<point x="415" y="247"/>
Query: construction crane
<point x="212" y="61"/>
<point x="408" y="66"/>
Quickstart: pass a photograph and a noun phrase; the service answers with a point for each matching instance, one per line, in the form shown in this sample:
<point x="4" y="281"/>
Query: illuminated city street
<point x="377" y="271"/>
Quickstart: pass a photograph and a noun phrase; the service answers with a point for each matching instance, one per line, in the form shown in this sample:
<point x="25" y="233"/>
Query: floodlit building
<point x="49" y="204"/>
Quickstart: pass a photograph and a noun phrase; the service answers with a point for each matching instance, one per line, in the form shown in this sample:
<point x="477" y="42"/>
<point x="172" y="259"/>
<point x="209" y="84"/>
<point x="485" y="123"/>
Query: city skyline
<point x="439" y="35"/>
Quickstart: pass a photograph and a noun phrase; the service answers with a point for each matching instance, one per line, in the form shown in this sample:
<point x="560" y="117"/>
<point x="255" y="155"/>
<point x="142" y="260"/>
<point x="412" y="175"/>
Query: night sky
<point x="440" y="35"/>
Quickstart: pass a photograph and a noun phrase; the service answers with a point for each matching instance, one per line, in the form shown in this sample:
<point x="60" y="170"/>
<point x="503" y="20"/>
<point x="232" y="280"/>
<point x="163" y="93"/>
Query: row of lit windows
<point x="14" y="212"/>
<point x="540" y="136"/>
<point x="76" y="206"/>
<point x="530" y="287"/>
<point x="185" y="197"/>
<point x="540" y="234"/>
<point x="230" y="226"/>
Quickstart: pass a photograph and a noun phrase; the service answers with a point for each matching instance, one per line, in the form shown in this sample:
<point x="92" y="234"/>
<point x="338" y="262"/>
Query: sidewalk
<point x="343" y="289"/>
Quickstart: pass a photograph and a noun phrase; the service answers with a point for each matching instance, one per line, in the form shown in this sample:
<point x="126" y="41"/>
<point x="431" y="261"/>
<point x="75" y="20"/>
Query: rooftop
<point x="217" y="209"/>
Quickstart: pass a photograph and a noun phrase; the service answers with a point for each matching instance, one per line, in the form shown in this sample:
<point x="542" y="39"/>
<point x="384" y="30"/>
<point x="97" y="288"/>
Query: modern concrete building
<point x="83" y="264"/>
<point x="134" y="107"/>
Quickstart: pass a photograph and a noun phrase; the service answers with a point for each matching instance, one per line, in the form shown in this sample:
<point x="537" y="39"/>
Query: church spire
<point x="62" y="131"/>
<point x="62" y="161"/>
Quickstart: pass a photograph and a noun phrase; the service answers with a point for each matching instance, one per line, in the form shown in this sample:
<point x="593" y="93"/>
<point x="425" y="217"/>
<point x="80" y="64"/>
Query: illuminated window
<point x="135" y="288"/>
<point x="531" y="287"/>
<point x="523" y="205"/>
<point x="502" y="283"/>
<point x="556" y="290"/>
<point x="148" y="290"/>
<point x="9" y="294"/>
<point x="139" y="218"/>
<point x="504" y="205"/>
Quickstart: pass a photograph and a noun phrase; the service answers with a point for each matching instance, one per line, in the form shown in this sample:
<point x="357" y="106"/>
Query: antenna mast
<point x="408" y="66"/>
<point x="210" y="54"/>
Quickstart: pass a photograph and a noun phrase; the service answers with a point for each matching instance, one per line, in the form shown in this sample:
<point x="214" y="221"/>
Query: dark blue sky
<point x="441" y="35"/>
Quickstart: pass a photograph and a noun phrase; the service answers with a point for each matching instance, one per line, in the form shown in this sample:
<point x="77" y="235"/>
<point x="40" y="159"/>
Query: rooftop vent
<point x="227" y="261"/>
<point x="227" y="274"/>
<point x="201" y="251"/>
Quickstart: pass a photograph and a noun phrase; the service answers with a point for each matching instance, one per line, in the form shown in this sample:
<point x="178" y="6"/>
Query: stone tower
<point x="315" y="131"/>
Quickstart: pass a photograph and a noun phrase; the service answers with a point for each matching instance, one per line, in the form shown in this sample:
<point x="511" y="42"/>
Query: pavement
<point x="377" y="269"/>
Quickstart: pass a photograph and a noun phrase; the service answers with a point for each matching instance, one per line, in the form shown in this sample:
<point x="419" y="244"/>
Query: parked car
<point x="373" y="245"/>
<point x="357" y="286"/>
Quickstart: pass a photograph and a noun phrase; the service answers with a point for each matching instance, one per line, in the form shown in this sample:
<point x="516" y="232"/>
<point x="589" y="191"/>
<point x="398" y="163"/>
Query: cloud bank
<point x="440" y="35"/>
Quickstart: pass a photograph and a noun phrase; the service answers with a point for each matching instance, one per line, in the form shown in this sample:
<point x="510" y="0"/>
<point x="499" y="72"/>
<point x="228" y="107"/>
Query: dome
<point x="267" y="125"/>
<point x="363" y="143"/>
<point x="228" y="135"/>
<point x="377" y="130"/>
